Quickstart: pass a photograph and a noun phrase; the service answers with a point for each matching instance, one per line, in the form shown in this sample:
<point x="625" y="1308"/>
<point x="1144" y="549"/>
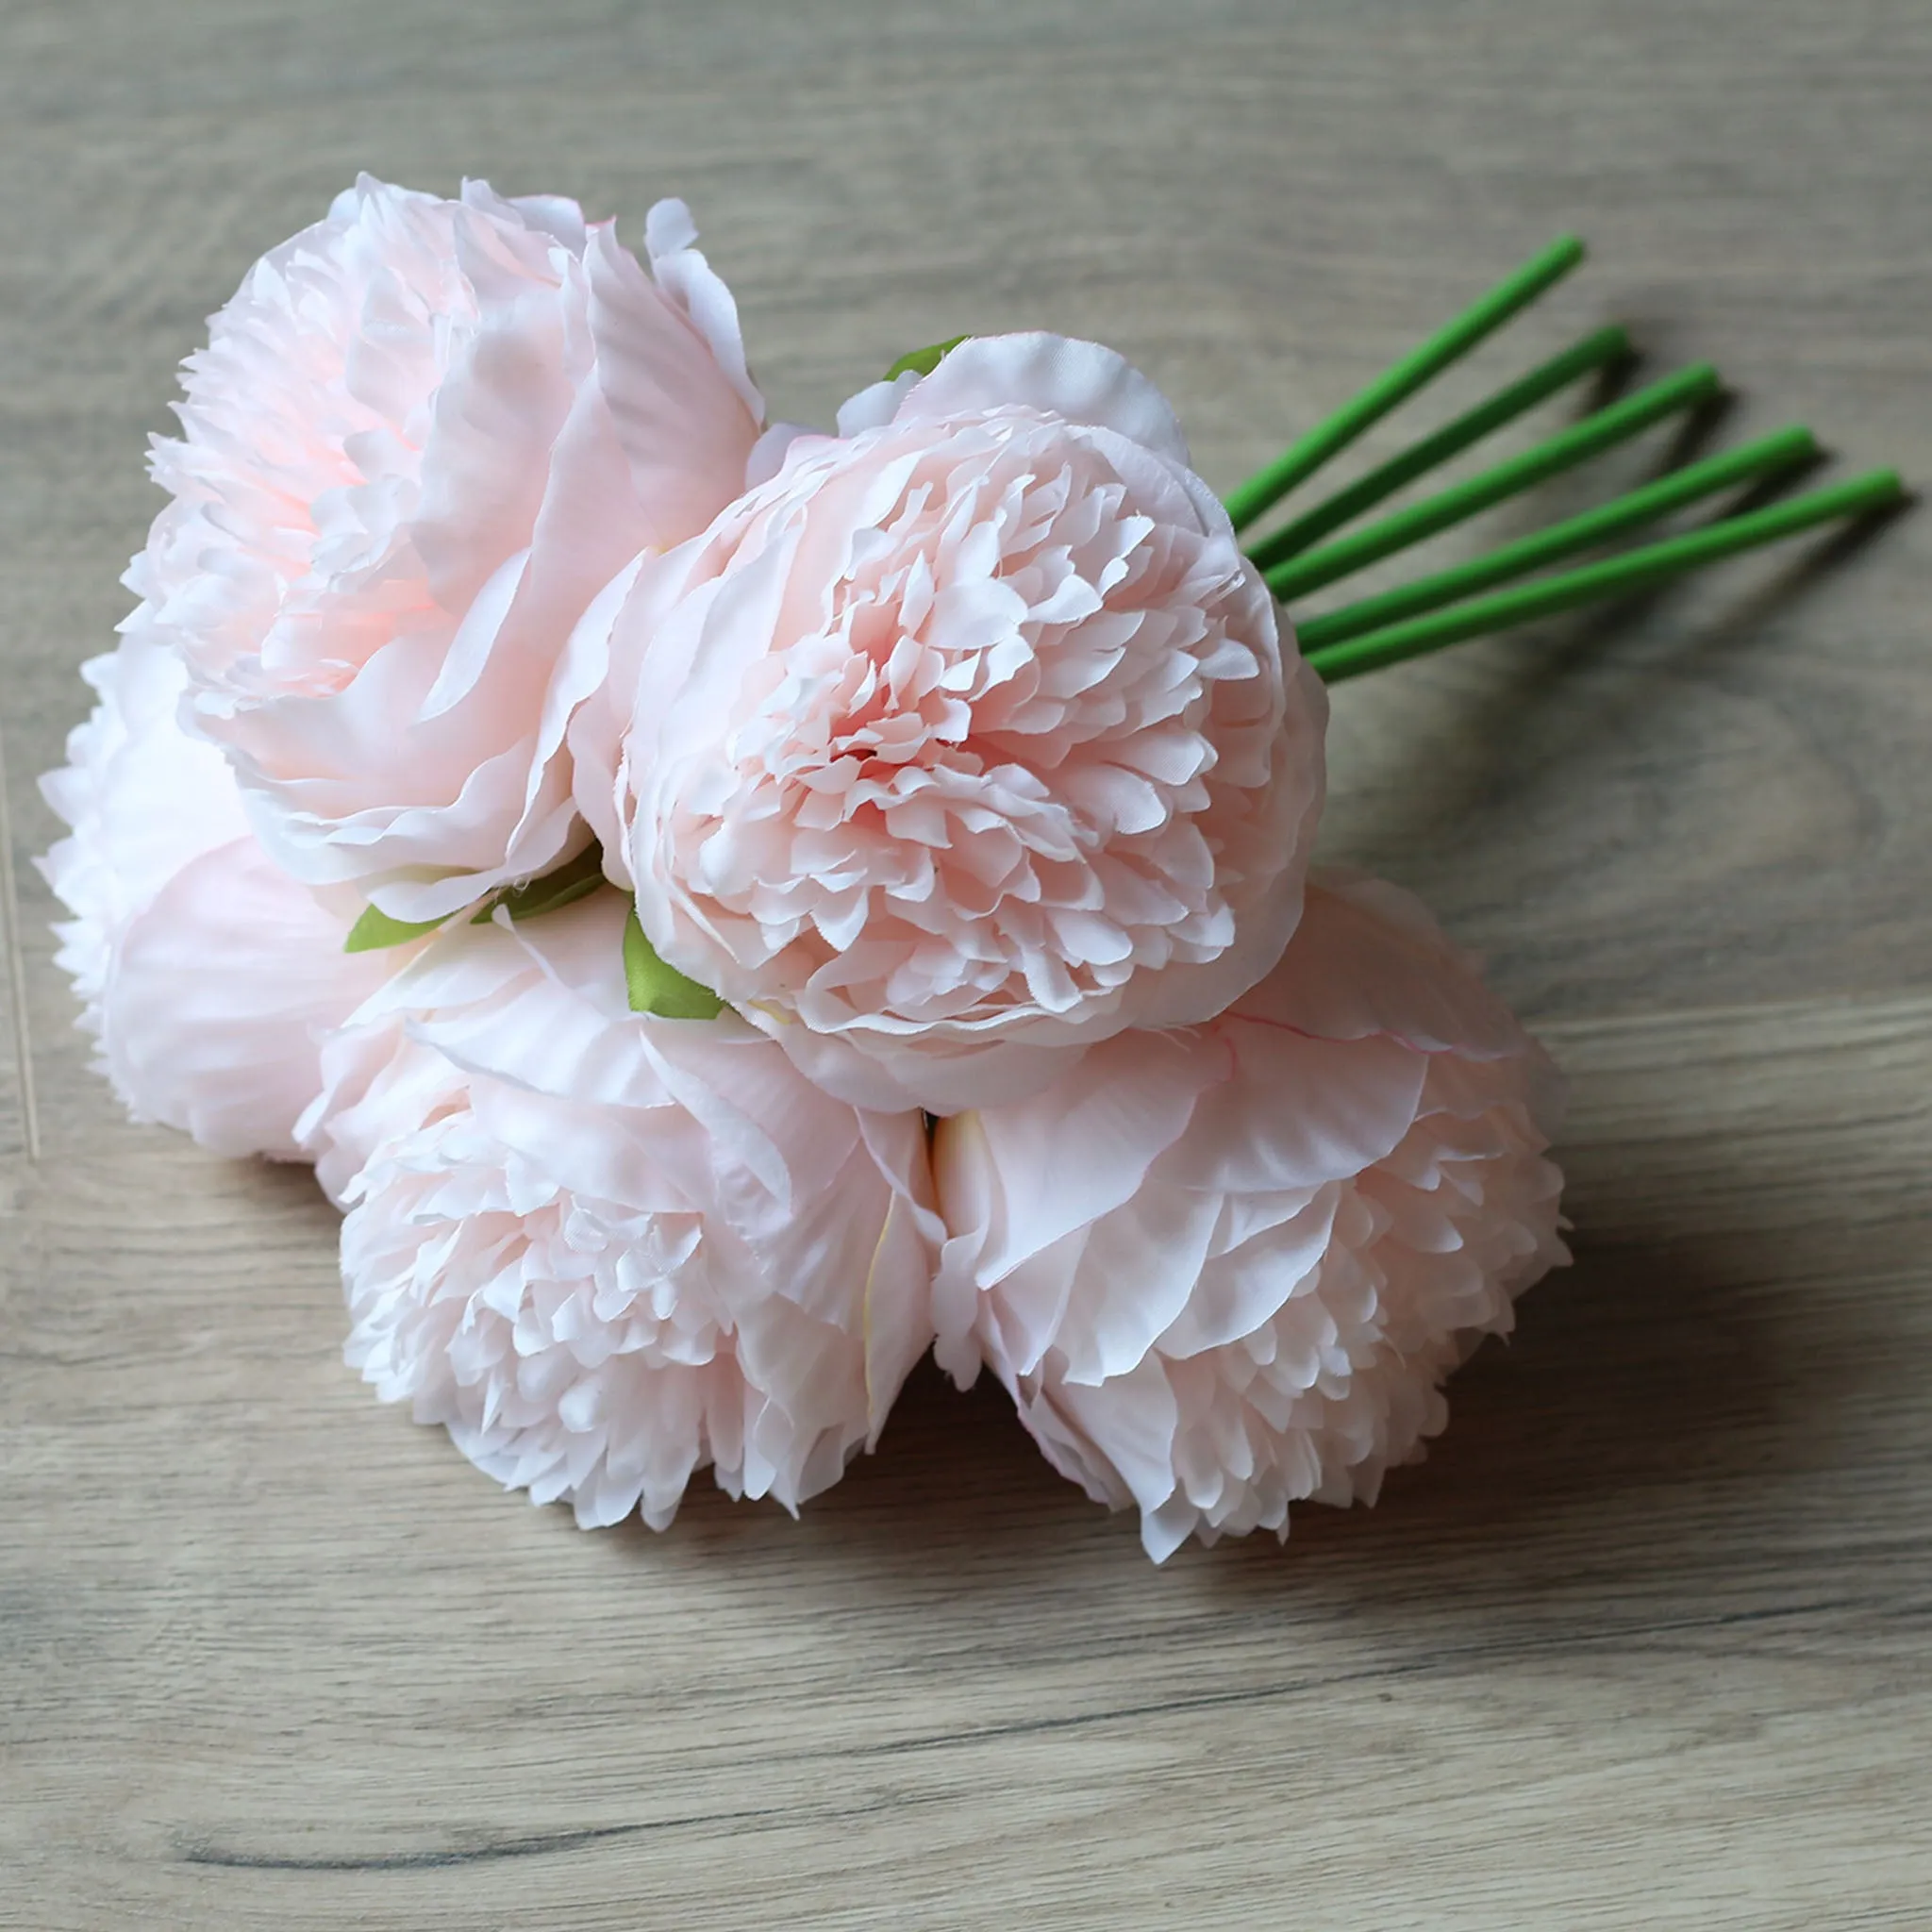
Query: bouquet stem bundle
<point x="1395" y="624"/>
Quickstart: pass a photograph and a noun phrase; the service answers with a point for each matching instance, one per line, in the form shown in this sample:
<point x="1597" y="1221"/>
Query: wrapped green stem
<point x="1616" y="576"/>
<point x="1563" y="451"/>
<point x="1785" y="450"/>
<point x="1596" y="351"/>
<point x="1400" y="380"/>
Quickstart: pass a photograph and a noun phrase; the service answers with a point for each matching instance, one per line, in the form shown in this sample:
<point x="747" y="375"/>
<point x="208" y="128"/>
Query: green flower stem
<point x="1596" y="351"/>
<point x="1563" y="451"/>
<point x="1785" y="450"/>
<point x="1615" y="576"/>
<point x="1401" y="380"/>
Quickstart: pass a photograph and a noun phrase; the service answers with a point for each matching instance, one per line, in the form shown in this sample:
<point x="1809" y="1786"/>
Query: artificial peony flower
<point x="605" y="1249"/>
<point x="423" y="433"/>
<point x="1224" y="1269"/>
<point x="963" y="742"/>
<point x="206" y="975"/>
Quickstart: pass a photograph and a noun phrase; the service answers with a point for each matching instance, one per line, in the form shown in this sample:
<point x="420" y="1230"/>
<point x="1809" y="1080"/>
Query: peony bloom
<point x="603" y="1249"/>
<point x="1225" y="1269"/>
<point x="963" y="742"/>
<point x="423" y="433"/>
<point x="206" y="975"/>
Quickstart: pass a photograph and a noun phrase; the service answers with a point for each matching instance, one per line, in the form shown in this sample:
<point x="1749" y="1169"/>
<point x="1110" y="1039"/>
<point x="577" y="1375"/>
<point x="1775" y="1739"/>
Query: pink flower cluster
<point x="959" y="768"/>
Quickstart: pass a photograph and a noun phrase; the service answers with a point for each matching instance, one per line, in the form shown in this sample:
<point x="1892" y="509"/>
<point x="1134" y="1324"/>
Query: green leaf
<point x="656" y="988"/>
<point x="376" y="929"/>
<point x="922" y="361"/>
<point x="576" y="879"/>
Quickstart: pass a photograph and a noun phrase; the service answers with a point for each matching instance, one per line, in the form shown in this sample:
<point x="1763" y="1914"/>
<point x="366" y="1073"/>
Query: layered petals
<point x="206" y="975"/>
<point x="423" y="433"/>
<point x="605" y="1250"/>
<point x="967" y="740"/>
<point x="1225" y="1269"/>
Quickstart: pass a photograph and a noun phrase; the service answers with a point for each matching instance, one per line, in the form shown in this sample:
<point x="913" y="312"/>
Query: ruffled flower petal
<point x="606" y="1251"/>
<point x="1226" y="1270"/>
<point x="224" y="987"/>
<point x="1082" y="382"/>
<point x="421" y="437"/>
<point x="143" y="797"/>
<point x="966" y="741"/>
<point x="206" y="975"/>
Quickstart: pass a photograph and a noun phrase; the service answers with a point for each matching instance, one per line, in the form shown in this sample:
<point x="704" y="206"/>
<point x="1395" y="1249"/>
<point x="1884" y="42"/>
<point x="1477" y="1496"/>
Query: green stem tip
<point x="1877" y="489"/>
<point x="1784" y="450"/>
<point x="1563" y="451"/>
<point x="1401" y="380"/>
<point x="1596" y="351"/>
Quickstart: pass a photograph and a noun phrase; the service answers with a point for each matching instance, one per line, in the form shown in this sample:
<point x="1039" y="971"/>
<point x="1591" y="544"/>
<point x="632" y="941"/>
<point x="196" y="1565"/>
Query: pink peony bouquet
<point x="728" y="909"/>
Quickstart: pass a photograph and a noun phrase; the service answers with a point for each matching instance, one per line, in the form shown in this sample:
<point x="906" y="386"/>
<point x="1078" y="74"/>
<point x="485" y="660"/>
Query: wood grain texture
<point x="1645" y="1642"/>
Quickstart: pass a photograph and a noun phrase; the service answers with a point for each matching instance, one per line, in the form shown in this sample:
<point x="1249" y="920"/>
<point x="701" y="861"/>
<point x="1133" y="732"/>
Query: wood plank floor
<point x="1645" y="1642"/>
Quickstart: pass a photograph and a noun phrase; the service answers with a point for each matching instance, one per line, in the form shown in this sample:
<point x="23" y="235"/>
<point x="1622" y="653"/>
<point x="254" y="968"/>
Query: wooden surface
<point x="1645" y="1642"/>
